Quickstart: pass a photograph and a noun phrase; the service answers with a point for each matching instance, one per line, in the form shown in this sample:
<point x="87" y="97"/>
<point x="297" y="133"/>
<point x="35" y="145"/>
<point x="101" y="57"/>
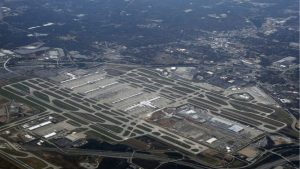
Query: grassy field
<point x="21" y="87"/>
<point x="76" y="119"/>
<point x="255" y="106"/>
<point x="90" y="117"/>
<point x="3" y="100"/>
<point x="175" y="141"/>
<point x="106" y="133"/>
<point x="80" y="106"/>
<point x="168" y="134"/>
<point x="44" y="86"/>
<point x="31" y="85"/>
<point x="188" y="86"/>
<point x="53" y="95"/>
<point x="98" y="136"/>
<point x="243" y="108"/>
<point x="33" y="162"/>
<point x="41" y="96"/>
<point x="257" y="117"/>
<point x="217" y="100"/>
<point x="14" y="152"/>
<point x="120" y="113"/>
<point x="207" y="102"/>
<point x="144" y="128"/>
<point x="96" y="107"/>
<point x="218" y="95"/>
<point x="7" y="165"/>
<point x="108" y="119"/>
<point x="14" y="91"/>
<point x="43" y="104"/>
<point x="183" y="89"/>
<point x="238" y="118"/>
<point x="62" y="93"/>
<point x="20" y="99"/>
<point x="73" y="123"/>
<point x="33" y="81"/>
<point x="113" y="128"/>
<point x="202" y="105"/>
<point x="63" y="105"/>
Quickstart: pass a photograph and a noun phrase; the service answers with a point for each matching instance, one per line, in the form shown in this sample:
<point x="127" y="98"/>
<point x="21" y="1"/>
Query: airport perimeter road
<point x="114" y="154"/>
<point x="14" y="161"/>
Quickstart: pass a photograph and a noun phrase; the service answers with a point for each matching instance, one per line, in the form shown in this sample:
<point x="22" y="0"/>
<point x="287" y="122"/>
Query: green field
<point x="41" y="96"/>
<point x="33" y="162"/>
<point x="108" y="118"/>
<point x="105" y="132"/>
<point x="52" y="94"/>
<point x="21" y="87"/>
<point x="98" y="136"/>
<point x="31" y="85"/>
<point x="14" y="91"/>
<point x="75" y="119"/>
<point x="90" y="117"/>
<point x="63" y="105"/>
<point x="113" y="128"/>
<point x="10" y="95"/>
<point x="176" y="142"/>
<point x="216" y="100"/>
<point x="80" y="106"/>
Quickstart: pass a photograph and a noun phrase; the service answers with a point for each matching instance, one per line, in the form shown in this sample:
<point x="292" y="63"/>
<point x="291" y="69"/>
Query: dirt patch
<point x="249" y="152"/>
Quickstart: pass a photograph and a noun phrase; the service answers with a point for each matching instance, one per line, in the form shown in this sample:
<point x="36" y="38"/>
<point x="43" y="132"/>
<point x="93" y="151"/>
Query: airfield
<point x="119" y="103"/>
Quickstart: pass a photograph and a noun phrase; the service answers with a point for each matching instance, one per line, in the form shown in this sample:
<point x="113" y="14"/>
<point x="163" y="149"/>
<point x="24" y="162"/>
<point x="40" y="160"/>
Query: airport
<point x="123" y="103"/>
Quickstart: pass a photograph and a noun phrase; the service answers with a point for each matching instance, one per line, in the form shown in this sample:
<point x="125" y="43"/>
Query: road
<point x="114" y="154"/>
<point x="277" y="162"/>
<point x="14" y="161"/>
<point x="5" y="65"/>
<point x="25" y="120"/>
<point x="275" y="151"/>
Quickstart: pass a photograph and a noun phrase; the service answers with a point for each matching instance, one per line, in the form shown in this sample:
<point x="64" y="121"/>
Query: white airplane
<point x="143" y="104"/>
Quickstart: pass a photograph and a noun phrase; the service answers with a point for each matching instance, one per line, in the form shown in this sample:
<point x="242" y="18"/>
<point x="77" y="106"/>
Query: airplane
<point x="143" y="104"/>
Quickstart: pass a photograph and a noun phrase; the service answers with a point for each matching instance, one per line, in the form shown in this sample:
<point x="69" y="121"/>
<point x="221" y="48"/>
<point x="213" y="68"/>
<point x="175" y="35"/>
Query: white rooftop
<point x="211" y="140"/>
<point x="236" y="128"/>
<point x="215" y="119"/>
<point x="49" y="135"/>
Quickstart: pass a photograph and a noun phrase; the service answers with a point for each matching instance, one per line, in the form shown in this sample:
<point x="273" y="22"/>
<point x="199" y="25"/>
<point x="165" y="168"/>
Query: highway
<point x="275" y="151"/>
<point x="277" y="162"/>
